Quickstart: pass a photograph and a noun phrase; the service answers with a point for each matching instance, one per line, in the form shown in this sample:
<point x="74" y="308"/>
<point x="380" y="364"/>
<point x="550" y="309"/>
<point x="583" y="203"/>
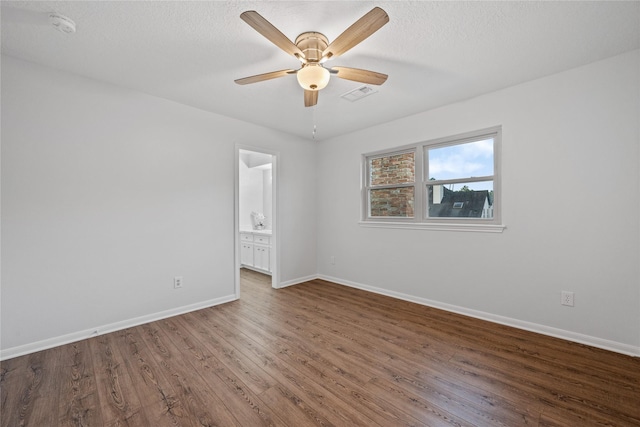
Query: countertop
<point x="259" y="232"/>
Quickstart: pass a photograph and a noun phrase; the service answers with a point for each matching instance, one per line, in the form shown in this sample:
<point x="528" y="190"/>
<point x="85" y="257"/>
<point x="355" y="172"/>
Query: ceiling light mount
<point x="312" y="44"/>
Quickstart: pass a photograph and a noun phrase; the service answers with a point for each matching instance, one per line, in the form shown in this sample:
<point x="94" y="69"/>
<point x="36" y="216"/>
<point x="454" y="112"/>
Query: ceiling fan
<point x="312" y="49"/>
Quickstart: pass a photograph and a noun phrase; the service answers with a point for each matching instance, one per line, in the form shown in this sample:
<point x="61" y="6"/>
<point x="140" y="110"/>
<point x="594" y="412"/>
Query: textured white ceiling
<point x="435" y="53"/>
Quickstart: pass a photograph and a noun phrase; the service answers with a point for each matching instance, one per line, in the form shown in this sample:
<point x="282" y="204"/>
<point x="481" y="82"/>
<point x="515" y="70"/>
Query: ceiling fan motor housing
<point x="312" y="44"/>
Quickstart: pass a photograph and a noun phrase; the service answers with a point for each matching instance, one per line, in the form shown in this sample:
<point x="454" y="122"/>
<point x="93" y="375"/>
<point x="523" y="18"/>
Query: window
<point x="392" y="185"/>
<point x="449" y="183"/>
<point x="460" y="183"/>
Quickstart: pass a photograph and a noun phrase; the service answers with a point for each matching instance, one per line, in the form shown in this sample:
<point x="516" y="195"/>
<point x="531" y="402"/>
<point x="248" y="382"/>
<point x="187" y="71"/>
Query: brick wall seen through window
<point x="389" y="173"/>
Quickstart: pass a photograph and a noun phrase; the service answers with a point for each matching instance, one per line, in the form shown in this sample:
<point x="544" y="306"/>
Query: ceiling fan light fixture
<point x="313" y="49"/>
<point x="313" y="77"/>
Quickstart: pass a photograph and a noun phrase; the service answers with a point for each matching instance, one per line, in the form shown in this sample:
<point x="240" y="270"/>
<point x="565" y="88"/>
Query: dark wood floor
<point x="320" y="354"/>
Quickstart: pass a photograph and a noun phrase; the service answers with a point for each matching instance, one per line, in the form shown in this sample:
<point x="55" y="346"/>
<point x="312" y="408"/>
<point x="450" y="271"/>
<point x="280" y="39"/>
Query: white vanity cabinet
<point x="255" y="250"/>
<point x="246" y="249"/>
<point x="261" y="257"/>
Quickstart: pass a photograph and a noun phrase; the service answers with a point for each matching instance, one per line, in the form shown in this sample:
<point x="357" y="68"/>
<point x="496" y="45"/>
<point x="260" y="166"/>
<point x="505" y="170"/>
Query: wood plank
<point x="18" y="382"/>
<point x="558" y="383"/>
<point x="294" y="410"/>
<point x="246" y="407"/>
<point x="160" y="399"/>
<point x="334" y="373"/>
<point x="454" y="396"/>
<point x="79" y="402"/>
<point x="618" y="390"/>
<point x="12" y="381"/>
<point x="204" y="345"/>
<point x="195" y="389"/>
<point x="119" y="403"/>
<point x="36" y="404"/>
<point x="306" y="390"/>
<point x="528" y="344"/>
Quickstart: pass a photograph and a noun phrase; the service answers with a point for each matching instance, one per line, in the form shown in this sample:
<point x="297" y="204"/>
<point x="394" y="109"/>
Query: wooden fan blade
<point x="310" y="98"/>
<point x="362" y="76"/>
<point x="360" y="30"/>
<point x="266" y="28"/>
<point x="263" y="77"/>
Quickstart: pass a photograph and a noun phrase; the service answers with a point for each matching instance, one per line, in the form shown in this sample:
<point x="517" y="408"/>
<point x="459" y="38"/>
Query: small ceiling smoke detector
<point x="359" y="93"/>
<point x="62" y="23"/>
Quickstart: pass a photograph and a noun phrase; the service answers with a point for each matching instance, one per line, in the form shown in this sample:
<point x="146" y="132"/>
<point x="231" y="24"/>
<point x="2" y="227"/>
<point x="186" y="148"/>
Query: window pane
<point x="392" y="202"/>
<point x="464" y="200"/>
<point x="395" y="169"/>
<point x="462" y="160"/>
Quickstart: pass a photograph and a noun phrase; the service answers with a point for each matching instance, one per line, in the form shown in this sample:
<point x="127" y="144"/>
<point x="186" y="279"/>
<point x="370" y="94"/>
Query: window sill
<point x="477" y="228"/>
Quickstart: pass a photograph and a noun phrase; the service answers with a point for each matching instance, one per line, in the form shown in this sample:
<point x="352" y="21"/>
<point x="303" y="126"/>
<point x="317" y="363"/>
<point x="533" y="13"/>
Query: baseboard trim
<point x="516" y="323"/>
<point x="12" y="352"/>
<point x="297" y="281"/>
<point x="520" y="324"/>
<point x="259" y="270"/>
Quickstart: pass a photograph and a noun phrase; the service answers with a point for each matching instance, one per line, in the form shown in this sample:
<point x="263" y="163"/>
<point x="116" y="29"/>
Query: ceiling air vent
<point x="359" y="93"/>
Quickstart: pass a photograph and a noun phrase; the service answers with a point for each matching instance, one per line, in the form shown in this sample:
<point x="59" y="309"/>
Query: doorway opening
<point x="256" y="213"/>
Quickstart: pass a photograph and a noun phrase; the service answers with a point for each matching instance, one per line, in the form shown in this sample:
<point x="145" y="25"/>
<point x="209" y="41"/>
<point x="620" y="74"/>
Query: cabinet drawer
<point x="261" y="239"/>
<point x="246" y="237"/>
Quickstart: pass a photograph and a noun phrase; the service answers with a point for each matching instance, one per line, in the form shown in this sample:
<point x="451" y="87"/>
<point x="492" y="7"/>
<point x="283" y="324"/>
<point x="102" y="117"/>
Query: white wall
<point x="267" y="197"/>
<point x="571" y="192"/>
<point x="107" y="194"/>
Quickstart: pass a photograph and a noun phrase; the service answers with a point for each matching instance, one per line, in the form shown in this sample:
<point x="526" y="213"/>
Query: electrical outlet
<point x="177" y="282"/>
<point x="567" y="298"/>
<point x="333" y="260"/>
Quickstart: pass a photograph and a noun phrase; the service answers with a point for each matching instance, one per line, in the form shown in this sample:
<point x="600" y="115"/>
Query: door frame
<point x="275" y="241"/>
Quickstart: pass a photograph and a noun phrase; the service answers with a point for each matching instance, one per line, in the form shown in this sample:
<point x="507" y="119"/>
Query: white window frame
<point x="417" y="174"/>
<point x="420" y="220"/>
